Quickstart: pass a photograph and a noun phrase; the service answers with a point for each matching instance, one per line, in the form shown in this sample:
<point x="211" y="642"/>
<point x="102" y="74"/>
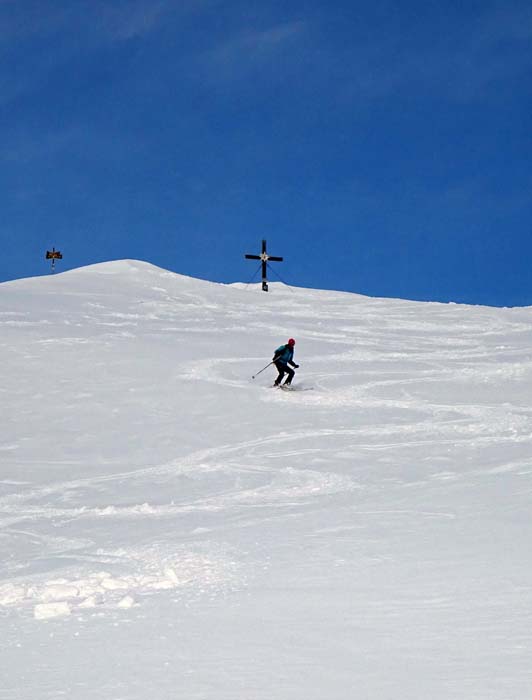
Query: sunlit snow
<point x="172" y="528"/>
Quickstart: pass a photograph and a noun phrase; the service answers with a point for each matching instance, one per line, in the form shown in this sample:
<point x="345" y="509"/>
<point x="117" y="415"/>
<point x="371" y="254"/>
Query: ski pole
<point x="261" y="370"/>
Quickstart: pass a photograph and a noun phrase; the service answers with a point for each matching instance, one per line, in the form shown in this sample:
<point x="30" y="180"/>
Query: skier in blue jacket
<point x="283" y="357"/>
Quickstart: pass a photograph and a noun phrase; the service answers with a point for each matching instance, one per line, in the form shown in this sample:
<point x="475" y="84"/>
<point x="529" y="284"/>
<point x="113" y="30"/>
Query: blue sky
<point x="382" y="148"/>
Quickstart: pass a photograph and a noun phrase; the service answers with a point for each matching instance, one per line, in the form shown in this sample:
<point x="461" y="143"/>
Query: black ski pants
<point x="284" y="369"/>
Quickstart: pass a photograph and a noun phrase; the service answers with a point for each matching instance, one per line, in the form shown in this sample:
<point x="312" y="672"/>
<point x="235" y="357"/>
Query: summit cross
<point x="265" y="259"/>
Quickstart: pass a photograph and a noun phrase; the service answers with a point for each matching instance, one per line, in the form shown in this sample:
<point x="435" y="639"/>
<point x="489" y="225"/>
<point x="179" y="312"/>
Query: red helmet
<point x="291" y="341"/>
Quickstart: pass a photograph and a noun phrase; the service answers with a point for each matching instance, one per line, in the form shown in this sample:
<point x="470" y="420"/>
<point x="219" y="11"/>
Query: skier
<point x="283" y="357"/>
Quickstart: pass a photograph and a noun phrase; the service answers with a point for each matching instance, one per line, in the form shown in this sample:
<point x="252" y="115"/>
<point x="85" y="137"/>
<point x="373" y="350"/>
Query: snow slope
<point x="171" y="528"/>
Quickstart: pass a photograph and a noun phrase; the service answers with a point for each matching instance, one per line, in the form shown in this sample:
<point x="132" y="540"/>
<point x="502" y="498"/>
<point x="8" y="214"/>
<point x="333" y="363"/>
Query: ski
<point x="292" y="388"/>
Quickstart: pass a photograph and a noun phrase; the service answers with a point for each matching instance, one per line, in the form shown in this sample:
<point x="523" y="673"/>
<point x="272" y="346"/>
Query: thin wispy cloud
<point x="123" y="21"/>
<point x="89" y="22"/>
<point x="462" y="64"/>
<point x="271" y="38"/>
<point x="22" y="150"/>
<point x="237" y="56"/>
<point x="19" y="21"/>
<point x="459" y="62"/>
<point x="75" y="139"/>
<point x="496" y="49"/>
<point x="505" y="23"/>
<point x="38" y="39"/>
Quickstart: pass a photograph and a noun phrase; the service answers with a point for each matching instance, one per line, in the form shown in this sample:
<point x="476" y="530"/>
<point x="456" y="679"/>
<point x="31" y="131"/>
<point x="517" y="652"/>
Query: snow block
<point x="11" y="595"/>
<point x="126" y="603"/>
<point x="47" y="611"/>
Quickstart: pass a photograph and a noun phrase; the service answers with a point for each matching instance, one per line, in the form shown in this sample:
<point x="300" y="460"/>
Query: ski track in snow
<point x="288" y="487"/>
<point x="140" y="461"/>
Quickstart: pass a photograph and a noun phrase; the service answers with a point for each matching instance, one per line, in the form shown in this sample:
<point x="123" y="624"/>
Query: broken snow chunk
<point x="114" y="584"/>
<point x="126" y="602"/>
<point x="171" y="575"/>
<point x="146" y="508"/>
<point x="47" y="611"/>
<point x="162" y="585"/>
<point x="59" y="591"/>
<point x="87" y="589"/>
<point x="90" y="602"/>
<point x="100" y="575"/>
<point x="10" y="594"/>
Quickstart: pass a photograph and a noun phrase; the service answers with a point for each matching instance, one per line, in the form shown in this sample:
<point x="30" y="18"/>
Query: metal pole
<point x="264" y="258"/>
<point x="261" y="370"/>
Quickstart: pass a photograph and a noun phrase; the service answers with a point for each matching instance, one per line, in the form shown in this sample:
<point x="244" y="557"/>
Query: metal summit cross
<point x="265" y="259"/>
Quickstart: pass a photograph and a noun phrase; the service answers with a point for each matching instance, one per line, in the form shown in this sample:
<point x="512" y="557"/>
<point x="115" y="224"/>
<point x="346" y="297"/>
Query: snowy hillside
<point x="171" y="528"/>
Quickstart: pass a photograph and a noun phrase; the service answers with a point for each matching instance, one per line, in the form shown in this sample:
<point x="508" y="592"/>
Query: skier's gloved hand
<point x="296" y="366"/>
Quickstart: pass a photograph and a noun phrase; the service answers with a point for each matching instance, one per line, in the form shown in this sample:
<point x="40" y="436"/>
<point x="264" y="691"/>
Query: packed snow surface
<point x="172" y="528"/>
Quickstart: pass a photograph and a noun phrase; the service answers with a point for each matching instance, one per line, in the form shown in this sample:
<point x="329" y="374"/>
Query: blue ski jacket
<point x="284" y="355"/>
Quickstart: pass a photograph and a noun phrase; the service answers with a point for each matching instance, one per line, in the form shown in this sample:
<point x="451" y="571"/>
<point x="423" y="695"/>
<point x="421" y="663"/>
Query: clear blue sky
<point x="381" y="147"/>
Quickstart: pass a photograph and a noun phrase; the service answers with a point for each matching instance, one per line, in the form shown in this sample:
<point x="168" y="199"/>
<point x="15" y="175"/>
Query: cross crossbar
<point x="265" y="258"/>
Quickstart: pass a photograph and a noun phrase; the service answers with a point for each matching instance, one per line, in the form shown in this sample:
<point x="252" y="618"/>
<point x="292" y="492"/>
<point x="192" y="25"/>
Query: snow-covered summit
<point x="120" y="276"/>
<point x="365" y="535"/>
